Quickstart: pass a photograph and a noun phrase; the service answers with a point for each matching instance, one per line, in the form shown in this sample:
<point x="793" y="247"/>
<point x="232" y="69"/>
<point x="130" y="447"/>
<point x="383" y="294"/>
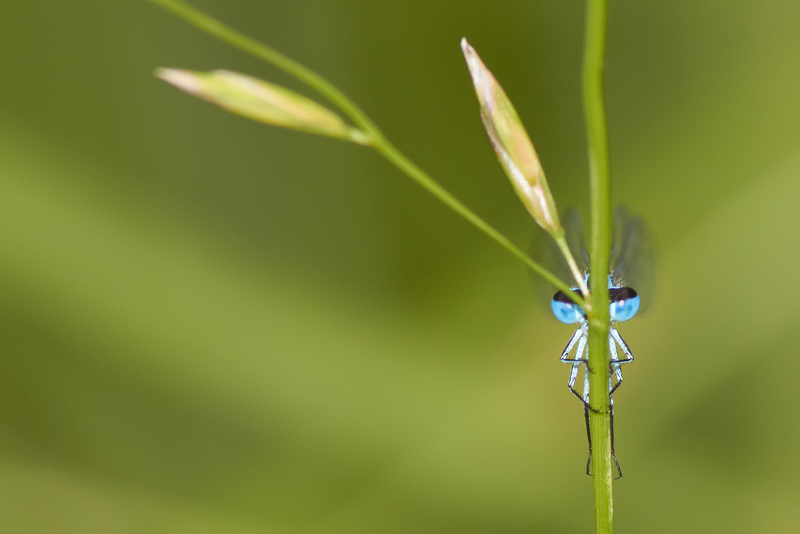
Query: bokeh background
<point x="212" y="325"/>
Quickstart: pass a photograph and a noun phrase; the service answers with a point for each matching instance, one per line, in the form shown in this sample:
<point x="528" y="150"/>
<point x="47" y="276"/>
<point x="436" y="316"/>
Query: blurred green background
<point x="212" y="325"/>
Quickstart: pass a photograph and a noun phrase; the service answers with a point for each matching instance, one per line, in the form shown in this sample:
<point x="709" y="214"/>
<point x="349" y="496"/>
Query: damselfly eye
<point x="565" y="309"/>
<point x="624" y="303"/>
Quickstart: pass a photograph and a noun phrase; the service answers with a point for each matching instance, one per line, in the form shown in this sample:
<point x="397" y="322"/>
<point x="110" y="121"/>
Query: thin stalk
<point x="573" y="265"/>
<point x="600" y="245"/>
<point x="376" y="138"/>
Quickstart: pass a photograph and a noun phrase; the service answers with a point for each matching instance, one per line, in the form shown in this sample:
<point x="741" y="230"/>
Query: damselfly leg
<point x="580" y="337"/>
<point x="578" y="343"/>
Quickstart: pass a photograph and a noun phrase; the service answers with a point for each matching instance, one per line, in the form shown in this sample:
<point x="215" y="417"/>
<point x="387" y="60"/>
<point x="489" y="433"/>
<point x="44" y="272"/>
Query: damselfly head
<point x="623" y="306"/>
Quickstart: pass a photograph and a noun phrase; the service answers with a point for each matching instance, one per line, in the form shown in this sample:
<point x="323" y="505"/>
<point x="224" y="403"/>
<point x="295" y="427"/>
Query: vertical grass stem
<point x="600" y="245"/>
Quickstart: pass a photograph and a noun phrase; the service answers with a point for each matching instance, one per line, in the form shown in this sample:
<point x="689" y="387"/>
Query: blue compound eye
<point x="624" y="303"/>
<point x="565" y="310"/>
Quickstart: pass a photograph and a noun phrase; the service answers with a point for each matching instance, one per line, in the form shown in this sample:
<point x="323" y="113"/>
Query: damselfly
<point x="630" y="267"/>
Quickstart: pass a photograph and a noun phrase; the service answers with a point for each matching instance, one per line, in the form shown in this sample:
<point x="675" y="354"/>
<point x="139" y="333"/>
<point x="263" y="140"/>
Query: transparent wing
<point x="545" y="251"/>
<point x="632" y="259"/>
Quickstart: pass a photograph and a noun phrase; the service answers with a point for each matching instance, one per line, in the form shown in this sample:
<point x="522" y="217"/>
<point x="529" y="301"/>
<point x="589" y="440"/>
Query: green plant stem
<point x="600" y="245"/>
<point x="376" y="138"/>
